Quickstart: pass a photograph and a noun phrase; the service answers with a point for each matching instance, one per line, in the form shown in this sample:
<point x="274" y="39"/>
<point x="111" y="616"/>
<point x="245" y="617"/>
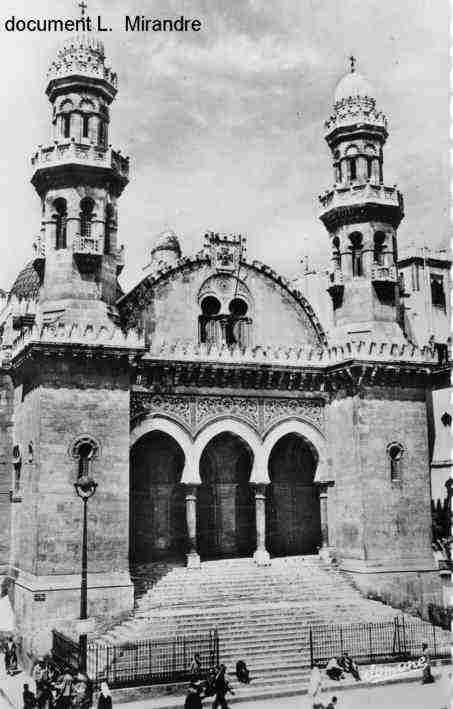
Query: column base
<point x="193" y="560"/>
<point x="325" y="554"/>
<point x="261" y="557"/>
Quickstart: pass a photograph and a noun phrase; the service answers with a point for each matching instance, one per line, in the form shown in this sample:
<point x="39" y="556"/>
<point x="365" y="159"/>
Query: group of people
<point x="57" y="690"/>
<point x="338" y="667"/>
<point x="212" y="684"/>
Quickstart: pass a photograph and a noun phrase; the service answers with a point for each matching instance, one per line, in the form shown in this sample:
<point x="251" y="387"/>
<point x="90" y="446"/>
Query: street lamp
<point x="85" y="488"/>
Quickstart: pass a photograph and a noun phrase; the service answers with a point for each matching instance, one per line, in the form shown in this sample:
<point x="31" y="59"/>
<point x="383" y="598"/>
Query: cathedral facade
<point x="216" y="415"/>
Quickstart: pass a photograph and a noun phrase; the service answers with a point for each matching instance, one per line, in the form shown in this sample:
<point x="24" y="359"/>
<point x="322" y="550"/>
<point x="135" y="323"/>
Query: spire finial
<point x="352" y="59"/>
<point x="83" y="6"/>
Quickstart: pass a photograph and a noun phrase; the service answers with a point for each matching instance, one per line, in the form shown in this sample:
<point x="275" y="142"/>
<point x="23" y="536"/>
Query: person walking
<point x="64" y="698"/>
<point x="28" y="698"/>
<point x="315" y="688"/>
<point x="425" y="659"/>
<point x="222" y="688"/>
<point x="195" y="668"/>
<point x="332" y="704"/>
<point x="242" y="672"/>
<point x="193" y="698"/>
<point x="105" y="698"/>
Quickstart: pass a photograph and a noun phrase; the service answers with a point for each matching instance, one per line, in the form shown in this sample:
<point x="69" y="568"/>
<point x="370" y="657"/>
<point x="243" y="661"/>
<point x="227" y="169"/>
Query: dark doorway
<point x="293" y="516"/>
<point x="226" y="508"/>
<point x="157" y="508"/>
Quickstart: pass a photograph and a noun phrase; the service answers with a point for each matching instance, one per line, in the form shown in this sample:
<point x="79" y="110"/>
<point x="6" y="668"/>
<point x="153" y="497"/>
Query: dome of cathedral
<point x="353" y="85"/>
<point x="27" y="284"/>
<point x="167" y="240"/>
<point x="83" y="55"/>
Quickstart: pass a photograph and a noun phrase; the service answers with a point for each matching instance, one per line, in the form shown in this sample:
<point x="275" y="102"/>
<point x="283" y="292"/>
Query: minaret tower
<point x="362" y="215"/>
<point x="79" y="179"/>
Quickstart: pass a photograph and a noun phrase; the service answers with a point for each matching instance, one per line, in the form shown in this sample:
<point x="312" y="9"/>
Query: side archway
<point x="189" y="474"/>
<point x="240" y="429"/>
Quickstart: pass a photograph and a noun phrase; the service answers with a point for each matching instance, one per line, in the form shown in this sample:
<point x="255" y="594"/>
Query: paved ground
<point x="399" y="696"/>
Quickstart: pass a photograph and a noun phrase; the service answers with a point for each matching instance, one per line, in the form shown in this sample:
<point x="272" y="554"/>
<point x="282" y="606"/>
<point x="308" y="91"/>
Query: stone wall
<point x="6" y="470"/>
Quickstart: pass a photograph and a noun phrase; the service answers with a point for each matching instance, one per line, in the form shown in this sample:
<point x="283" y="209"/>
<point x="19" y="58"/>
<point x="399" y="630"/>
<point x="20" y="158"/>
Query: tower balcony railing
<point x="87" y="245"/>
<point x="347" y="195"/>
<point x="383" y="274"/>
<point x="82" y="154"/>
<point x="336" y="279"/>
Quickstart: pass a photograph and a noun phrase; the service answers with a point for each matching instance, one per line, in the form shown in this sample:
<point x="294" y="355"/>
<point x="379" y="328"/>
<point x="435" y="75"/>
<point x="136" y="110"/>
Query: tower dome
<point x="353" y="85"/>
<point x="167" y="240"/>
<point x="27" y="284"/>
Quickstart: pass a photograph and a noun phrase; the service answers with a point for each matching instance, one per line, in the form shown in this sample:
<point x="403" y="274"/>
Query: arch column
<point x="193" y="557"/>
<point x="324" y="552"/>
<point x="261" y="556"/>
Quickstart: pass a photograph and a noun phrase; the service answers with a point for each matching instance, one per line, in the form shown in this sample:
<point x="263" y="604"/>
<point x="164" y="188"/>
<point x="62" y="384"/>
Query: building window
<point x="209" y="322"/>
<point x="17" y="467"/>
<point x="102" y="134"/>
<point x="437" y="291"/>
<point x="415" y="273"/>
<point x="356" y="240"/>
<point x="395" y="453"/>
<point x="108" y="228"/>
<point x="66" y="126"/>
<point x="224" y="329"/>
<point x="352" y="169"/>
<point x="60" y="223"/>
<point x="85" y="450"/>
<point x="378" y="248"/>
<point x="446" y="418"/>
<point x="85" y="126"/>
<point x="86" y="216"/>
<point x="238" y="325"/>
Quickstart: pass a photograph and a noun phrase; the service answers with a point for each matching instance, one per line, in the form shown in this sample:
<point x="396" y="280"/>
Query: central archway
<point x="293" y="515"/>
<point x="157" y="512"/>
<point x="226" y="511"/>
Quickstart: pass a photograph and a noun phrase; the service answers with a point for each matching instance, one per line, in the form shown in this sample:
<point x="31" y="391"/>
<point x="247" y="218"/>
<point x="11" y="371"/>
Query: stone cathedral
<point x="217" y="415"/>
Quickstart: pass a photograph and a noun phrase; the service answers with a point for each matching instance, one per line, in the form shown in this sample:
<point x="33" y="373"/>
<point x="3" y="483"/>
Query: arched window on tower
<point x="102" y="134"/>
<point x="85" y="450"/>
<point x="86" y="216"/>
<point x="379" y="248"/>
<point x="60" y="222"/>
<point x="108" y="228"/>
<point x="66" y="125"/>
<point x="352" y="169"/>
<point x="85" y="125"/>
<point x="395" y="453"/>
<point x="356" y="246"/>
<point x="336" y="253"/>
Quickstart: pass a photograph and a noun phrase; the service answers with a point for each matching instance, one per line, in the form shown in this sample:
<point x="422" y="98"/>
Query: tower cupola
<point x="361" y="214"/>
<point x="79" y="178"/>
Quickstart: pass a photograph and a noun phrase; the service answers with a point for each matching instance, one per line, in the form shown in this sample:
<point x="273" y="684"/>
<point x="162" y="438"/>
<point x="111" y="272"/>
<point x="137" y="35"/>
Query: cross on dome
<point x="83" y="6"/>
<point x="353" y="60"/>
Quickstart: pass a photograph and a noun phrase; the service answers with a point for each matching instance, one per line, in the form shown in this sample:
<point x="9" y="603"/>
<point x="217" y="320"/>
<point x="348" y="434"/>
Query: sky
<point x="224" y="126"/>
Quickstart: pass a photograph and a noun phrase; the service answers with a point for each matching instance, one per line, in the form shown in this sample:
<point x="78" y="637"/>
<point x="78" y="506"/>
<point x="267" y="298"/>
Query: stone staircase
<point x="262" y="614"/>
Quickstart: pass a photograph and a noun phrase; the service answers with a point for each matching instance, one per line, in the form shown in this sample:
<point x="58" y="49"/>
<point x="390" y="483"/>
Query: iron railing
<point x="381" y="641"/>
<point x="150" y="661"/>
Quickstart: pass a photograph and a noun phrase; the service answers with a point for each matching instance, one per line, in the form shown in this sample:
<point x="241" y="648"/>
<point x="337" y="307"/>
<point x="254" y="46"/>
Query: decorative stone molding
<point x="275" y="410"/>
<point x="177" y="407"/>
<point x="208" y="408"/>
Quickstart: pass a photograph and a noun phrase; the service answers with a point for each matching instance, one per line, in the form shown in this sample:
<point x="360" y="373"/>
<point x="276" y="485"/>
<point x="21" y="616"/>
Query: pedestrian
<point x="195" y="668"/>
<point x="193" y="698"/>
<point x="64" y="687"/>
<point x="242" y="672"/>
<point x="315" y="688"/>
<point x="29" y="699"/>
<point x="425" y="660"/>
<point x="11" y="656"/>
<point x="105" y="698"/>
<point x="332" y="704"/>
<point x="333" y="670"/>
<point x="222" y="688"/>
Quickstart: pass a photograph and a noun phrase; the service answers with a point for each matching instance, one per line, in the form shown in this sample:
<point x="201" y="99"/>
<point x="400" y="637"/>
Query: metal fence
<point x="65" y="652"/>
<point x="141" y="662"/>
<point x="381" y="641"/>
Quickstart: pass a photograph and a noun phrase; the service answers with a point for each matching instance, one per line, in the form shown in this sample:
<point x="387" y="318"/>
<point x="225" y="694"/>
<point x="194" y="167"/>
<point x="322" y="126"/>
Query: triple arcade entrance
<point x="221" y="515"/>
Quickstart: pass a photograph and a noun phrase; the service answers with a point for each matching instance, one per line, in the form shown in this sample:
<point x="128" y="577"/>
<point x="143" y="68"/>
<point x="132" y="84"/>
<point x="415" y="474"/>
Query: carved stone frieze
<point x="177" y="407"/>
<point x="212" y="406"/>
<point x="275" y="410"/>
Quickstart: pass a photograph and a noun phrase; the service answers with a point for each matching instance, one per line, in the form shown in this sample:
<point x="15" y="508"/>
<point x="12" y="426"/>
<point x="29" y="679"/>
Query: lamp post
<point x="85" y="488"/>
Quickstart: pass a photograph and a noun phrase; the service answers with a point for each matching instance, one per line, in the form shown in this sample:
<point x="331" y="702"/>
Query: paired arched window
<point x="356" y="246"/>
<point x="60" y="222"/>
<point x="86" y="216"/>
<point x="220" y="328"/>
<point x="395" y="452"/>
